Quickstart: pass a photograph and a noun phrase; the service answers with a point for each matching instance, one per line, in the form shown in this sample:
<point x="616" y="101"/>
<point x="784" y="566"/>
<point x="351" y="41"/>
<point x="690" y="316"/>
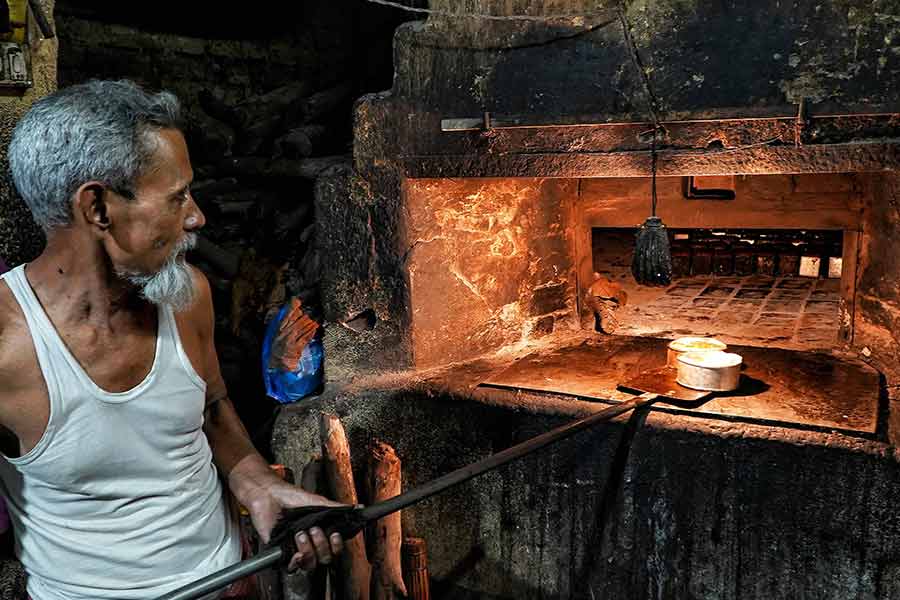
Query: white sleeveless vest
<point x="119" y="499"/>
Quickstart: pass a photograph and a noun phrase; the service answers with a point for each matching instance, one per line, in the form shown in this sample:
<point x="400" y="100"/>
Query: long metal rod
<point x="778" y="113"/>
<point x="273" y="556"/>
<point x="220" y="579"/>
<point x="376" y="511"/>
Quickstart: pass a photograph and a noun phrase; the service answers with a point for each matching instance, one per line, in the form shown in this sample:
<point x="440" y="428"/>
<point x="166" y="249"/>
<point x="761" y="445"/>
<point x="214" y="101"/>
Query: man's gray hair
<point x="94" y="131"/>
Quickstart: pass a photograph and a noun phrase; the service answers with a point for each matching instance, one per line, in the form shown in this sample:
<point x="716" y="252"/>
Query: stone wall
<point x="490" y="263"/>
<point x="878" y="289"/>
<point x="20" y="238"/>
<point x="189" y="65"/>
<point x="698" y="54"/>
<point x="702" y="60"/>
<point x="877" y="322"/>
<point x="652" y="506"/>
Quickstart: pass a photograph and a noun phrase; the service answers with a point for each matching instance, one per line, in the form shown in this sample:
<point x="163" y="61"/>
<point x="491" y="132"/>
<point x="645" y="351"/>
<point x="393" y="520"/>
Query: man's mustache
<point x="188" y="242"/>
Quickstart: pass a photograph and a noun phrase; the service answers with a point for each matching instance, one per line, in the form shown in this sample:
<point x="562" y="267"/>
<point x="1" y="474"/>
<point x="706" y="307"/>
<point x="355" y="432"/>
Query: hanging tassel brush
<point x="652" y="261"/>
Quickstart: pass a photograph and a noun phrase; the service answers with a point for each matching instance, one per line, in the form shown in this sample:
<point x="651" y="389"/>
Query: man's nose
<point x="194" y="219"/>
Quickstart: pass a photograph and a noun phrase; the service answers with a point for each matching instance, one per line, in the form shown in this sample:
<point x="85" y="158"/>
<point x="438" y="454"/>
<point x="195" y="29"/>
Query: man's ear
<point x="91" y="206"/>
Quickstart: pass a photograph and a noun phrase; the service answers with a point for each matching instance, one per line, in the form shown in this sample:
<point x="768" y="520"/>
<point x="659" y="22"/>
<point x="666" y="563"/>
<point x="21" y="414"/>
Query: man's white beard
<point x="173" y="284"/>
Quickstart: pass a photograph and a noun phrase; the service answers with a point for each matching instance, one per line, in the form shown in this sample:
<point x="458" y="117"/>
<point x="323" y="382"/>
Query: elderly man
<point x="109" y="381"/>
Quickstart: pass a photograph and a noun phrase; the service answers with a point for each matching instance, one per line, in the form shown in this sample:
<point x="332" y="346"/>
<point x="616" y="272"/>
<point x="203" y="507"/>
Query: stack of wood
<point x="257" y="162"/>
<point x="372" y="570"/>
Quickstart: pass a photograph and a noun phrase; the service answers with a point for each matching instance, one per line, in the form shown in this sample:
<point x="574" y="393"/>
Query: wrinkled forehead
<point x="169" y="168"/>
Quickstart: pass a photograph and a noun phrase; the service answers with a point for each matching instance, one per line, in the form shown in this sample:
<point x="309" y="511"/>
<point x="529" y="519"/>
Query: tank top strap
<point x="170" y="345"/>
<point x="55" y="357"/>
<point x="51" y="349"/>
<point x="42" y="330"/>
<point x="49" y="356"/>
<point x="48" y="345"/>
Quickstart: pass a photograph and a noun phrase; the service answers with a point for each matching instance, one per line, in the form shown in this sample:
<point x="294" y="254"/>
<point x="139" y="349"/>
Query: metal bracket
<point x="462" y="124"/>
<point x="659" y="134"/>
<point x="483" y="124"/>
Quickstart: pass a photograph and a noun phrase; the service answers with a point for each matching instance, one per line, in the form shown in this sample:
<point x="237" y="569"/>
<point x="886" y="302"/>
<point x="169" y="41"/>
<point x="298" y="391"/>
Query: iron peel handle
<point x="346" y="520"/>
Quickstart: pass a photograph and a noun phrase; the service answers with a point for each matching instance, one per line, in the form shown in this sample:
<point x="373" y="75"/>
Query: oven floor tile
<point x="753" y="309"/>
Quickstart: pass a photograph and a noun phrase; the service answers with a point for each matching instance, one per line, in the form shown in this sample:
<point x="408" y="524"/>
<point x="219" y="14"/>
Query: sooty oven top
<point x="778" y="386"/>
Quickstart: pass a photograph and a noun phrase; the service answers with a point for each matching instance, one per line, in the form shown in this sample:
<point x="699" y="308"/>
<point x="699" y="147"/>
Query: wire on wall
<point x="614" y="14"/>
<point x="447" y="13"/>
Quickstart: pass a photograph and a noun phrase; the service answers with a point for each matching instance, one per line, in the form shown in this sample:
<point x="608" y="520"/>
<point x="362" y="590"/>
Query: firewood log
<point x="415" y="568"/>
<point x="355" y="568"/>
<point x="226" y="263"/>
<point x="322" y="103"/>
<point x="311" y="478"/>
<point x="300" y="142"/>
<point x="303" y="168"/>
<point x="383" y="482"/>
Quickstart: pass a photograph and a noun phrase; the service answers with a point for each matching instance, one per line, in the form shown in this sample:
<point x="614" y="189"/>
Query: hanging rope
<point x="642" y="72"/>
<point x="653" y="157"/>
<point x="651" y="263"/>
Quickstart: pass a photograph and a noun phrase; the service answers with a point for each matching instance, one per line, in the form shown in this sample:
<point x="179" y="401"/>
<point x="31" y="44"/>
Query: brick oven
<point x="507" y="170"/>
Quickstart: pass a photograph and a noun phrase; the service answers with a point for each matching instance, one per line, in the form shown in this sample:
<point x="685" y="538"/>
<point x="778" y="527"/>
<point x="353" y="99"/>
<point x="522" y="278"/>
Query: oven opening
<point x="758" y="287"/>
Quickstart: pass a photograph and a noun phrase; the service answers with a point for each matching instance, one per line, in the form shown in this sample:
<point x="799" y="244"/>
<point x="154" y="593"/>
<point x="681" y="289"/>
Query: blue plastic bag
<point x="290" y="381"/>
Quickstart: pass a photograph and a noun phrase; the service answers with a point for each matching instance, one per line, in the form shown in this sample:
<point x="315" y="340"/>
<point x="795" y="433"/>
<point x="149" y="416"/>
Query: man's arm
<point x="9" y="442"/>
<point x="24" y="399"/>
<point x="249" y="477"/>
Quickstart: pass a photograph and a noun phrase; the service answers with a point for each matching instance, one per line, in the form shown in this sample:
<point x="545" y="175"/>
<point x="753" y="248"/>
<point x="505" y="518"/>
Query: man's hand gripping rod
<point x="349" y="520"/>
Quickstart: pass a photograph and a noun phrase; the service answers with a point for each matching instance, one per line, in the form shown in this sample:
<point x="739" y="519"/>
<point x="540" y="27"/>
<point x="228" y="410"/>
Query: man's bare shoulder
<point x="5" y="308"/>
<point x="202" y="308"/>
<point x="198" y="318"/>
<point x="196" y="326"/>
<point x="13" y="335"/>
<point x="9" y="312"/>
<point x="201" y="287"/>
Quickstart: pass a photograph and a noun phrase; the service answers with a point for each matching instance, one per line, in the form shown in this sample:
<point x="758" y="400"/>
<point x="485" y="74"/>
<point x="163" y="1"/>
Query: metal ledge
<point x="754" y="160"/>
